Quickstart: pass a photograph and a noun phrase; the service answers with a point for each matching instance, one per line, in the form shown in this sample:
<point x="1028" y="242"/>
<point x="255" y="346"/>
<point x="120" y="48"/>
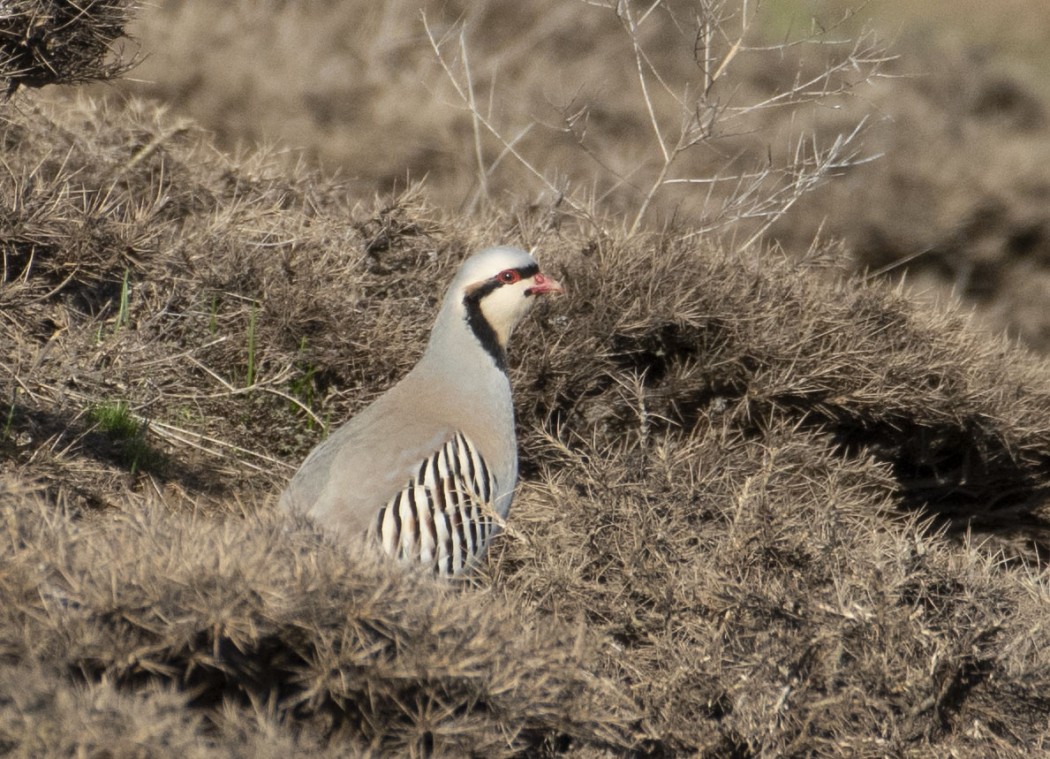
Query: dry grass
<point x="958" y="203"/>
<point x="678" y="111"/>
<point x="260" y="624"/>
<point x="45" y="43"/>
<point x="766" y="509"/>
<point x="723" y="538"/>
<point x="958" y="197"/>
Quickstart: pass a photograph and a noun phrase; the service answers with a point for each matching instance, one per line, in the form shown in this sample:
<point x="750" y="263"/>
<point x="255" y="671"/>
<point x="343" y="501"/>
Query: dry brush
<point x="766" y="508"/>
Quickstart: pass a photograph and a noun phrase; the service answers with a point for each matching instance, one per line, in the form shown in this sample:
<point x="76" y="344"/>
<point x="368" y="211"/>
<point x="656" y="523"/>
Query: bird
<point x="427" y="471"/>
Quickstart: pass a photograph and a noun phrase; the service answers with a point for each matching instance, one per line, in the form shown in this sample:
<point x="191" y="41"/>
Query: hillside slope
<point x="766" y="508"/>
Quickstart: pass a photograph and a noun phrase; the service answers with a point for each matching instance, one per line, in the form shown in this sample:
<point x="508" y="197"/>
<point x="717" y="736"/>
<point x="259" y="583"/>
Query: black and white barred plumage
<point x="445" y="515"/>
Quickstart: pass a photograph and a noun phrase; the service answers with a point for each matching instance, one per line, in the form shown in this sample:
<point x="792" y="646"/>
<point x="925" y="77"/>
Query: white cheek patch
<point x="504" y="308"/>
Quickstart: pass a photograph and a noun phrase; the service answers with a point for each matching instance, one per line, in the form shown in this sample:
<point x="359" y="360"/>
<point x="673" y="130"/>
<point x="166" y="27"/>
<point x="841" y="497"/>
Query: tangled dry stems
<point x="258" y="622"/>
<point x="766" y="509"/>
<point x="723" y="541"/>
<point x="957" y="199"/>
<point x="45" y="43"/>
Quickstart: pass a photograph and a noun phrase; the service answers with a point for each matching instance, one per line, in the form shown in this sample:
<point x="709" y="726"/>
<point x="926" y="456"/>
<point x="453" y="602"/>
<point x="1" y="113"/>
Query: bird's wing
<point x="427" y="483"/>
<point x="445" y="515"/>
<point x="364" y="463"/>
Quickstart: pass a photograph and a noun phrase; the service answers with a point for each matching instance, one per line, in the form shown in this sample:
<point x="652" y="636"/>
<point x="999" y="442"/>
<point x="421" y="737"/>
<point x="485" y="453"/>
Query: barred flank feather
<point x="442" y="517"/>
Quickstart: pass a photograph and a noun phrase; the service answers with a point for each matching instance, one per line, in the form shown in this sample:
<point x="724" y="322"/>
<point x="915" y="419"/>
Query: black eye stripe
<point x="523" y="271"/>
<point x="480" y="326"/>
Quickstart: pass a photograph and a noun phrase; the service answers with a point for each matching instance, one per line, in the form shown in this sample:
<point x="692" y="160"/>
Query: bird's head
<point x="493" y="290"/>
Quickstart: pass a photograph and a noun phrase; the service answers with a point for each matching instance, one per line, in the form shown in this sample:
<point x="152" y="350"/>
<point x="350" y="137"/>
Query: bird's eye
<point x="508" y="276"/>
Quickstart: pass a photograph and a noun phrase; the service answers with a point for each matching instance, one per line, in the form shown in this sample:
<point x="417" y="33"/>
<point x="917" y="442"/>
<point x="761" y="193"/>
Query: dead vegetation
<point x="766" y="508"/>
<point x="61" y="42"/>
<point x="958" y="202"/>
<point x="256" y="622"/>
<point x="694" y="112"/>
<point x="722" y="542"/>
<point x="957" y="197"/>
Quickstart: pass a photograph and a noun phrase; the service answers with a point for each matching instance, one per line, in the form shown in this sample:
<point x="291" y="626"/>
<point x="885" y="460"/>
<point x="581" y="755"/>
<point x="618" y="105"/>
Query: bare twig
<point x="196" y="440"/>
<point x="462" y="91"/>
<point x="682" y="114"/>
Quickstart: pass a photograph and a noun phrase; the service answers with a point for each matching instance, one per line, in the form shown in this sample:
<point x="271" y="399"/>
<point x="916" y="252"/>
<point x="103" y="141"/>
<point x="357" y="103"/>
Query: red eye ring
<point x="508" y="276"/>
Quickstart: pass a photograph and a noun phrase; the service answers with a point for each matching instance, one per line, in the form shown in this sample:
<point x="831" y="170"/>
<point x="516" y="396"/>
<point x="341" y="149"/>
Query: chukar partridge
<point x="426" y="466"/>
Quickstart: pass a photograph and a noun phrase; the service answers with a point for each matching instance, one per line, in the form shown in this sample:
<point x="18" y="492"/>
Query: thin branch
<point x="632" y="31"/>
<point x="507" y="145"/>
<point x="188" y="437"/>
<point x="483" y="177"/>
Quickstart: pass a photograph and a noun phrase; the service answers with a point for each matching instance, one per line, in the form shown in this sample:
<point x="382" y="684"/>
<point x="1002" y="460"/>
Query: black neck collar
<point x="480" y="326"/>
